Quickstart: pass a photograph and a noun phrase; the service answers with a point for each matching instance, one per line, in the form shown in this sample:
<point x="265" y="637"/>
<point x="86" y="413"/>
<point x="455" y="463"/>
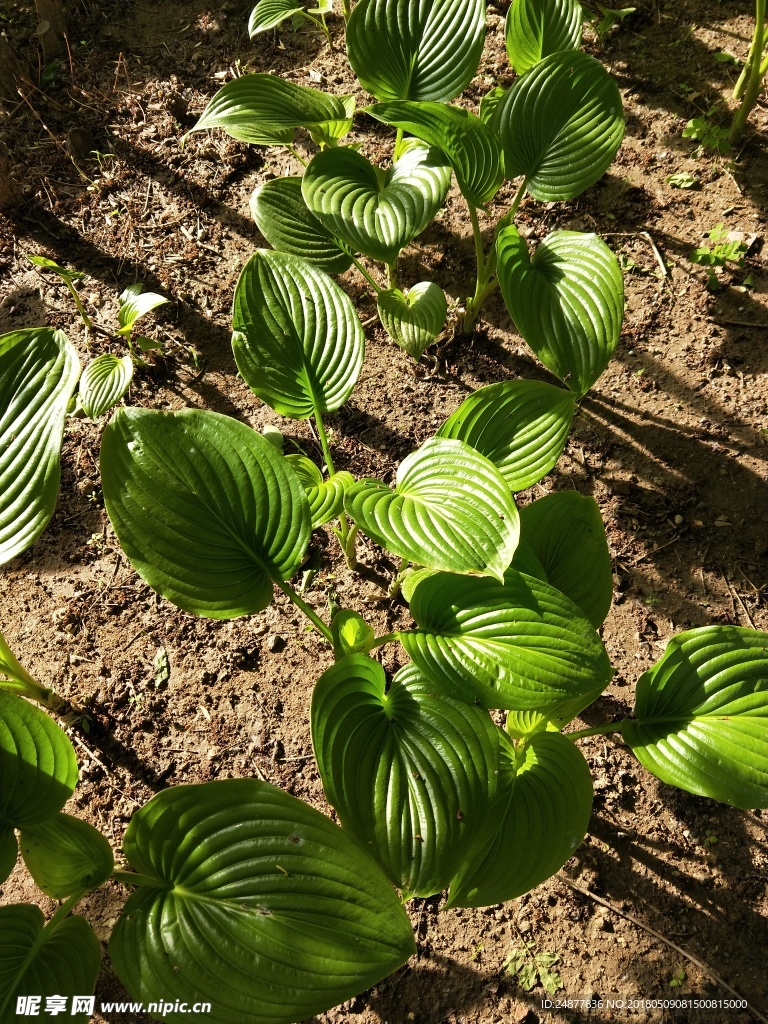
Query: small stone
<point x="524" y="926"/>
<point x="86" y="486"/>
<point x="678" y="520"/>
<point x="621" y="487"/>
<point x="276" y="643"/>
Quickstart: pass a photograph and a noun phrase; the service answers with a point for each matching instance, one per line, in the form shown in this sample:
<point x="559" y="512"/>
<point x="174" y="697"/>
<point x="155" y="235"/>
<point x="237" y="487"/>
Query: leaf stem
<point x="598" y="730"/>
<point x="134" y="878"/>
<point x="516" y="203"/>
<point x="324" y="443"/>
<point x="388" y="638"/>
<point x="392" y="275"/>
<point x="312" y="615"/>
<point x="346" y="533"/>
<point x="14" y="678"/>
<point x="346" y="9"/>
<point x="78" y="303"/>
<point x="297" y="155"/>
<point x="754" y="75"/>
<point x="398" y="145"/>
<point x="367" y="276"/>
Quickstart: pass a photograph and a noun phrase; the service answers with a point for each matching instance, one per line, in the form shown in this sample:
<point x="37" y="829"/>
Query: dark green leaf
<point x="104" y="382"/>
<point x="9" y="851"/>
<point x="268" y="14"/>
<point x="537" y="28"/>
<point x="325" y="497"/>
<point x="66" y="855"/>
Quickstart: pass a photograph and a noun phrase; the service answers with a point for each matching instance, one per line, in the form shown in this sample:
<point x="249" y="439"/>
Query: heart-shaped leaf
<point x="520" y="425"/>
<point x="702" y="715"/>
<point x="134" y="304"/>
<point x="375" y="212"/>
<point x="282" y="216"/>
<point x="268" y="14"/>
<point x="450" y="510"/>
<point x="409" y="771"/>
<point x="520" y="645"/>
<point x="206" y="509"/>
<point x="351" y="634"/>
<point x="104" y="382"/>
<point x="38" y="373"/>
<point x="538" y="820"/>
<point x="413" y="319"/>
<point x="536" y="28"/>
<point x="560" y="126"/>
<point x="255" y="902"/>
<point x="416" y="49"/>
<point x="325" y="497"/>
<point x="470" y="146"/>
<point x="296" y="336"/>
<point x="567" y="535"/>
<point x="66" y="855"/>
<point x="567" y="302"/>
<point x="265" y="110"/>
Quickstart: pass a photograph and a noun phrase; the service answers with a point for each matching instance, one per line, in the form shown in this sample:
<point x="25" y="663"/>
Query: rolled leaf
<point x="413" y="320"/>
<point x="255" y="902"/>
<point x="206" y="509"/>
<point x="325" y="497"/>
<point x="351" y="634"/>
<point x="134" y="304"/>
<point x="104" y="382"/>
<point x="66" y="855"/>
<point x="536" y="28"/>
<point x="268" y="14"/>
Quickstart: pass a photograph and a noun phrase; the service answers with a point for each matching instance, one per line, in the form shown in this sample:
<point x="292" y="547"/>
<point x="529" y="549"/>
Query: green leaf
<point x="66" y="855"/>
<point x="134" y="304"/>
<point x="450" y="510"/>
<point x="65" y="273"/>
<point x="567" y="302"/>
<point x="413" y="319"/>
<point x="205" y="508"/>
<point x="9" y="851"/>
<point x="682" y="179"/>
<point x="520" y="425"/>
<point x="296" y="336"/>
<point x="259" y="905"/>
<point x="536" y="28"/>
<point x="374" y="212"/>
<point x="567" y="534"/>
<point x="282" y="216"/>
<point x="470" y="146"/>
<point x="488" y="105"/>
<point x="409" y="771"/>
<point x="351" y="634"/>
<point x="38" y="373"/>
<point x="702" y="715"/>
<point x="38" y="767"/>
<point x="416" y="49"/>
<point x="325" y="497"/>
<point x="39" y="961"/>
<point x="560" y="126"/>
<point x="537" y="821"/>
<point x="268" y="14"/>
<point x="521" y="645"/>
<point x="265" y="110"/>
<point x="104" y="382"/>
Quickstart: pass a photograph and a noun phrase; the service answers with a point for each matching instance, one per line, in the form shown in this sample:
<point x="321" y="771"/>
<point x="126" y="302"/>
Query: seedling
<point x="609" y="18"/>
<point x="532" y="968"/>
<point x="704" y="130"/>
<point x="682" y="179"/>
<point x="68" y="276"/>
<point x="720" y="254"/>
<point x="677" y="978"/>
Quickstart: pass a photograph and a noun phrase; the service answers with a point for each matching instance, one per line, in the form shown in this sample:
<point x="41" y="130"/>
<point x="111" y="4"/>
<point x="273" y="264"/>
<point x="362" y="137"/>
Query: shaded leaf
<point x="325" y="497"/>
<point x="66" y="855"/>
<point x="104" y="382"/>
<point x="268" y="14"/>
<point x="413" y="320"/>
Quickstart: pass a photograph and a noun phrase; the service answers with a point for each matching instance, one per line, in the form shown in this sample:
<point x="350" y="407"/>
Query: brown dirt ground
<point x="672" y="443"/>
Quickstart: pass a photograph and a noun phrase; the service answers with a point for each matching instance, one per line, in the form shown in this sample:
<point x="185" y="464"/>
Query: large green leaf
<point x="66" y="855"/>
<point x="104" y="382"/>
<point x="296" y="336"/>
<point x="520" y="425"/>
<point x="450" y="510"/>
<point x="413" y="320"/>
<point x="9" y="851"/>
<point x="255" y="902"/>
<point x="560" y="126"/>
<point x="206" y="509"/>
<point x="282" y="216"/>
<point x="373" y="211"/>
<point x="538" y="820"/>
<point x="265" y="110"/>
<point x="416" y="49"/>
<point x="38" y="373"/>
<point x="325" y="497"/>
<point x="520" y="645"/>
<point x="409" y="771"/>
<point x="63" y="961"/>
<point x="469" y="145"/>
<point x="268" y="14"/>
<point x="536" y="28"/>
<point x="567" y="302"/>
<point x="702" y="715"/>
<point x="567" y="535"/>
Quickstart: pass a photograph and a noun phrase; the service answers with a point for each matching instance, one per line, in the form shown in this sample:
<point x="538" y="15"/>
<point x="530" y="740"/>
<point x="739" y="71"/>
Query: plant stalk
<point x="295" y="153"/>
<point x="388" y="638"/>
<point x="14" y="678"/>
<point x="346" y="9"/>
<point x="311" y="614"/>
<point x="346" y="533"/>
<point x="134" y="878"/>
<point x="367" y="276"/>
<point x="598" y="730"/>
<point x="392" y="275"/>
<point x="80" y="308"/>
<point x="755" y="68"/>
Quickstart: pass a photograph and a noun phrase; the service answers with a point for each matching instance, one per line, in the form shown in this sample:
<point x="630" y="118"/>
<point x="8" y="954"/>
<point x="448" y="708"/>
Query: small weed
<point x="683" y="180"/>
<point x="704" y="130"/>
<point x="677" y="978"/>
<point x="718" y="255"/>
<point x="533" y="969"/>
<point x="477" y="952"/>
<point x="652" y="600"/>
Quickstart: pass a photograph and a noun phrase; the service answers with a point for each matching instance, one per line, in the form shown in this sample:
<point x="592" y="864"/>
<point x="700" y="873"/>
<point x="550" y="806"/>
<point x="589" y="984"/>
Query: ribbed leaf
<point x="450" y="510"/>
<point x="63" y="962"/>
<point x="282" y="216"/>
<point x="134" y="304"/>
<point x="409" y="771"/>
<point x="372" y="211"/>
<point x="537" y="822"/>
<point x="566" y="532"/>
<point x="296" y="336"/>
<point x="520" y="425"/>
<point x="702" y="715"/>
<point x="560" y="126"/>
<point x="38" y="767"/>
<point x="205" y="508"/>
<point x="265" y="110"/>
<point x="536" y="28"/>
<point x="416" y="49"/>
<point x="262" y="907"/>
<point x="66" y="855"/>
<point x="38" y="373"/>
<point x="414" y="319"/>
<point x="268" y="14"/>
<point x="521" y="645"/>
<point x="9" y="851"/>
<point x="325" y="497"/>
<point x="567" y="302"/>
<point x="104" y="382"/>
<point x="470" y="146"/>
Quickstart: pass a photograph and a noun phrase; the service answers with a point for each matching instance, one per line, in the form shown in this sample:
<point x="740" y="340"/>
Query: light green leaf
<point x="567" y="302"/>
<point x="413" y="319"/>
<point x="9" y="851"/>
<point x="104" y="382"/>
<point x="66" y="855"/>
<point x="205" y="508"/>
<point x="488" y="105"/>
<point x="351" y="634"/>
<point x="38" y="373"/>
<point x="537" y="28"/>
<point x="268" y="14"/>
<point x="409" y="771"/>
<point x="702" y="715"/>
<point x="416" y="49"/>
<point x="297" y="339"/>
<point x="528" y="976"/>
<point x="520" y="425"/>
<point x="450" y="510"/>
<point x="134" y="304"/>
<point x="65" y="273"/>
<point x="260" y="905"/>
<point x="325" y="497"/>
